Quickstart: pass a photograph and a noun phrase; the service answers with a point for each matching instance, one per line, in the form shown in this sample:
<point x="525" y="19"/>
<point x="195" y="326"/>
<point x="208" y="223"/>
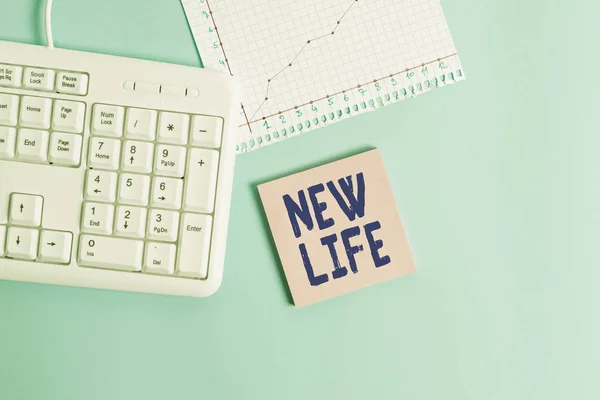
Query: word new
<point x="353" y="207"/>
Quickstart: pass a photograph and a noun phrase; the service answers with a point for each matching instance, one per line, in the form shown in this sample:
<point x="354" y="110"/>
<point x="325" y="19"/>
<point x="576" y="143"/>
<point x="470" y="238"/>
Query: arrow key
<point x="26" y="209"/>
<point x="167" y="192"/>
<point x="22" y="243"/>
<point x="101" y="186"/>
<point x="131" y="222"/>
<point x="137" y="157"/>
<point x="55" y="247"/>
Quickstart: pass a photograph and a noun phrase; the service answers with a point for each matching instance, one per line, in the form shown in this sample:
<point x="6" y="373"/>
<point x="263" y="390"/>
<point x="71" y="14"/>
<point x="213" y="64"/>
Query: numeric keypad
<point x="148" y="171"/>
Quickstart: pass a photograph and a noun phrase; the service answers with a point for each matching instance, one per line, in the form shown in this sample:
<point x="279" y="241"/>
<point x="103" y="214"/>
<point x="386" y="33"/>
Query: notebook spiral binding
<point x="368" y="103"/>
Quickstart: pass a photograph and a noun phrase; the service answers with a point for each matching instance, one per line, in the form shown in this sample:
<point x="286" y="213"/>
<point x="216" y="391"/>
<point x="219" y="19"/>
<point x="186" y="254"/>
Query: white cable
<point x="49" y="40"/>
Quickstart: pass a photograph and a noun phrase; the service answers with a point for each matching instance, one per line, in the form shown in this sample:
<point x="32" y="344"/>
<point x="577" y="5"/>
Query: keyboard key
<point x="170" y="161"/>
<point x="10" y="75"/>
<point x="173" y="127"/>
<point x="35" y="112"/>
<point x="65" y="149"/>
<point x="166" y="192"/>
<point x="104" y="153"/>
<point x="101" y="186"/>
<point x="97" y="218"/>
<point x="32" y="145"/>
<point x="111" y="253"/>
<point x="134" y="189"/>
<point x="206" y="131"/>
<point x="8" y="138"/>
<point x="9" y="109"/>
<point x="137" y="157"/>
<point x="162" y="225"/>
<point x="2" y="239"/>
<point x="140" y="124"/>
<point x="160" y="258"/>
<point x="39" y="79"/>
<point x="26" y="209"/>
<point x="55" y="247"/>
<point x="68" y="116"/>
<point x="72" y="83"/>
<point x="131" y="221"/>
<point x="22" y="243"/>
<point x="194" y="245"/>
<point x="201" y="180"/>
<point x="107" y="120"/>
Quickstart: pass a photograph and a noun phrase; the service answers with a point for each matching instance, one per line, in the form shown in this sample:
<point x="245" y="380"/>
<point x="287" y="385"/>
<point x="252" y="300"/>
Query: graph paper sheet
<point x="304" y="64"/>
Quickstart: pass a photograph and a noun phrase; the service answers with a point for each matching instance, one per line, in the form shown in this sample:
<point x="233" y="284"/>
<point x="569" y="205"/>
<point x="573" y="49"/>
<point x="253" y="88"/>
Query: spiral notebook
<point x="305" y="64"/>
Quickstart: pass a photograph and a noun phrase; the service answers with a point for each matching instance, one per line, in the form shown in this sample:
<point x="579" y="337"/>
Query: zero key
<point x="26" y="209"/>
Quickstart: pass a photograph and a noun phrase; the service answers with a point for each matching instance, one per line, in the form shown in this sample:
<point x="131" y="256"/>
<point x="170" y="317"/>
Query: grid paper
<point x="305" y="64"/>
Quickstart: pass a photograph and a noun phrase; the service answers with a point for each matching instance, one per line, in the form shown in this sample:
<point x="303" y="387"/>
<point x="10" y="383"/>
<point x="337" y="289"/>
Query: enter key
<point x="194" y="245"/>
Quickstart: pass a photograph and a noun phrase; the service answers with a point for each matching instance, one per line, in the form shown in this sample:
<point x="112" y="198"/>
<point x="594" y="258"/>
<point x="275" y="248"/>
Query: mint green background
<point x="498" y="183"/>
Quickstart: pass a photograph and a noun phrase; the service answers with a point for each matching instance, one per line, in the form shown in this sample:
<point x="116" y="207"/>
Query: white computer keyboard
<point x="115" y="173"/>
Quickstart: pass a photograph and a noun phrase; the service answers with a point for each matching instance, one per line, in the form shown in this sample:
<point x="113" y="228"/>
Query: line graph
<point x="212" y="17"/>
<point x="291" y="63"/>
<point x="293" y="80"/>
<point x="422" y="65"/>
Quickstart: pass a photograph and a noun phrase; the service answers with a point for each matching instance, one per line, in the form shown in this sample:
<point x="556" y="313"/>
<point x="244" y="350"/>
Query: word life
<point x="353" y="206"/>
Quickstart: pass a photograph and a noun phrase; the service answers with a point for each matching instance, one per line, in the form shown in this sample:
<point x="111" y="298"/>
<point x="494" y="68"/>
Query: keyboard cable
<point x="49" y="40"/>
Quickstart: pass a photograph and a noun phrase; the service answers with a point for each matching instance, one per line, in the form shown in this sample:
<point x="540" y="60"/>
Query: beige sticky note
<point x="337" y="228"/>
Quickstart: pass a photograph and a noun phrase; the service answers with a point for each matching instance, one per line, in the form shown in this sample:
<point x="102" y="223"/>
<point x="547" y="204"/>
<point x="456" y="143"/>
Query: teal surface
<point x="498" y="183"/>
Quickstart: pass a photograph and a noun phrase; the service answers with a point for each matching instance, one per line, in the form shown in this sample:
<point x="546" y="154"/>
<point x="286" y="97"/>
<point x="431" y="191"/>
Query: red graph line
<point x="345" y="90"/>
<point x="291" y="63"/>
<point x="219" y="37"/>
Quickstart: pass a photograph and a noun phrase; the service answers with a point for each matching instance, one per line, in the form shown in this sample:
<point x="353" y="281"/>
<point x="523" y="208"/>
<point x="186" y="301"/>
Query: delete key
<point x="337" y="228"/>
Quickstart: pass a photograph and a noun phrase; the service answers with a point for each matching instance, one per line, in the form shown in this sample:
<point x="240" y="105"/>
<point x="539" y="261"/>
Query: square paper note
<point x="337" y="228"/>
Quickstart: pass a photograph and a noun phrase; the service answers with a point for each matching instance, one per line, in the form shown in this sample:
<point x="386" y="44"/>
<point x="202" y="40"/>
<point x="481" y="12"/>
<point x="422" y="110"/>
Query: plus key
<point x="201" y="181"/>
